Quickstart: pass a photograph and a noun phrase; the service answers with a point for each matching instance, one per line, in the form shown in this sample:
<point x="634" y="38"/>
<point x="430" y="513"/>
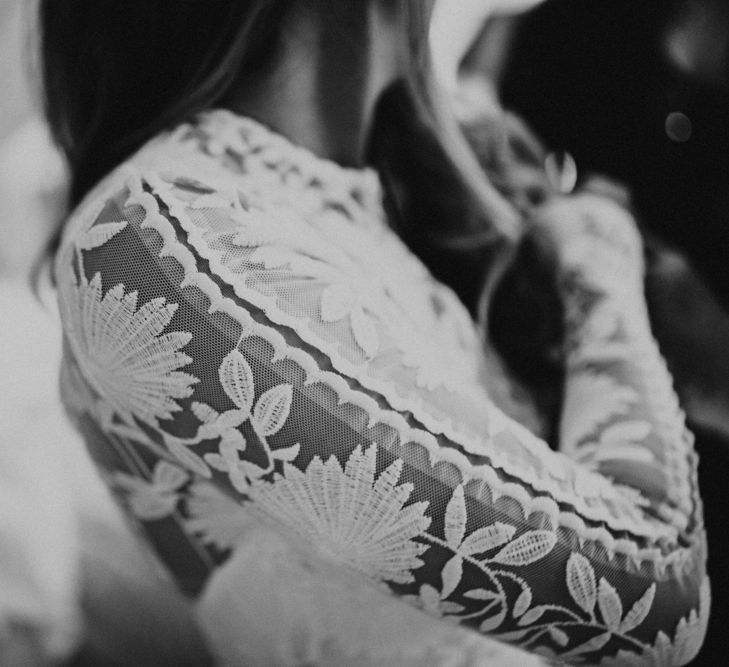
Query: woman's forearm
<point x="621" y="416"/>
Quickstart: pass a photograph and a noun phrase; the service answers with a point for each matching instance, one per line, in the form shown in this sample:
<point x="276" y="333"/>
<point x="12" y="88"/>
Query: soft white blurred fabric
<point x="71" y="571"/>
<point x="38" y="531"/>
<point x="32" y="196"/>
<point x="317" y="613"/>
<point x="455" y="26"/>
<point x="16" y="91"/>
<point x="38" y="527"/>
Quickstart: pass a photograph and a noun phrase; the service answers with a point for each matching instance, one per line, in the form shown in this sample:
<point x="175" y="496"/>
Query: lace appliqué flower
<point x="350" y="516"/>
<point x="125" y="356"/>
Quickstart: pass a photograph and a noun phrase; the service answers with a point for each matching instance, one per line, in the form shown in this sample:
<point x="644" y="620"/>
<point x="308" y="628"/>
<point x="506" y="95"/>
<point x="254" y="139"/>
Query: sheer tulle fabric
<point x="299" y="417"/>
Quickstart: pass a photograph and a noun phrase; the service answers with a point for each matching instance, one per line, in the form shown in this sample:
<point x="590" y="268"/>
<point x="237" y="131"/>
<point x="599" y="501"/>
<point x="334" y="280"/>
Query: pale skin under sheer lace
<point x="247" y="342"/>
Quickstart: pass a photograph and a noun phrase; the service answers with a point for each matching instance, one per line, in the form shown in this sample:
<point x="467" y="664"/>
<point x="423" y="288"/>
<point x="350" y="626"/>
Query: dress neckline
<point x="246" y="137"/>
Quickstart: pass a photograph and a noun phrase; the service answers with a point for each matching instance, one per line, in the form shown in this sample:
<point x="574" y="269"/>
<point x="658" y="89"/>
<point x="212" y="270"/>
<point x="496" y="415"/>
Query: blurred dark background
<point x="638" y="90"/>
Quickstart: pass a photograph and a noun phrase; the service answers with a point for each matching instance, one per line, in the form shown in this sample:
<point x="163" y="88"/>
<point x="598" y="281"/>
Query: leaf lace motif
<point x="589" y="595"/>
<point x="267" y="415"/>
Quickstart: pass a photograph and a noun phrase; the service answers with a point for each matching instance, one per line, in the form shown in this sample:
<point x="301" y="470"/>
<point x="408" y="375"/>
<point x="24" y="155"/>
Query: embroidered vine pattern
<point x="267" y="416"/>
<point x="588" y="595"/>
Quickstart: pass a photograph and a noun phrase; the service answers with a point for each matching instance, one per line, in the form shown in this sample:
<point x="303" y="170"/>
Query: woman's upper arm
<point x="209" y="387"/>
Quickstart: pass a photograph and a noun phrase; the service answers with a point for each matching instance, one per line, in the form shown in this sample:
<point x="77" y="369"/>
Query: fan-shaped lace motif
<point x="125" y="355"/>
<point x="351" y="516"/>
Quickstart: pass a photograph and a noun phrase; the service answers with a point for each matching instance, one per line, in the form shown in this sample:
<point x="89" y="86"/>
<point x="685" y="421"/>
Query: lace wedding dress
<point x="299" y="417"/>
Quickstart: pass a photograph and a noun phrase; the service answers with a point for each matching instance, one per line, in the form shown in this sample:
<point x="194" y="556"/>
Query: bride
<point x="268" y="283"/>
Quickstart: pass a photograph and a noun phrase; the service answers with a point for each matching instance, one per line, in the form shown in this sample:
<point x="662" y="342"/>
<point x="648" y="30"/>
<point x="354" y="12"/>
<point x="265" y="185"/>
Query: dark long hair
<point x="115" y="74"/>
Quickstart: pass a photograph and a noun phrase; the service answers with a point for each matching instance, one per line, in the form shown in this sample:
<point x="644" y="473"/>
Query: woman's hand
<point x="594" y="239"/>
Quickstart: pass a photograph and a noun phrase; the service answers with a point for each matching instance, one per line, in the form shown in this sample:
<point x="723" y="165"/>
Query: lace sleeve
<point x="621" y="417"/>
<point x="225" y="361"/>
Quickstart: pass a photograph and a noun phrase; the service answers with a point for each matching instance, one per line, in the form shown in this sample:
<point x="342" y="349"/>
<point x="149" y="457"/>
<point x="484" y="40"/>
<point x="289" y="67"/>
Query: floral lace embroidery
<point x="124" y="357"/>
<point x="274" y="420"/>
<point x="290" y="290"/>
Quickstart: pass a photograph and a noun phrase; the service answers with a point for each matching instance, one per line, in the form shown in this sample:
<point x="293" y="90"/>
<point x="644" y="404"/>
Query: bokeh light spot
<point x="678" y="127"/>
